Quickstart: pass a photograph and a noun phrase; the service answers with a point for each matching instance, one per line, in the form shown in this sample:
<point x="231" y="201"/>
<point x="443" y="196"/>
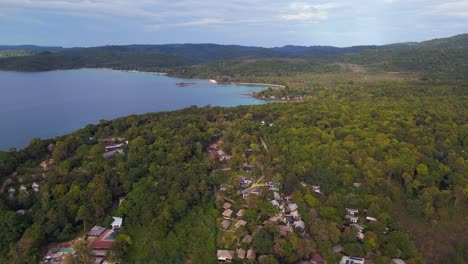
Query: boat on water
<point x="184" y="84"/>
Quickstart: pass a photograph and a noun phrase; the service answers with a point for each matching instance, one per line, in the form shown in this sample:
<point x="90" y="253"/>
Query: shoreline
<point x="213" y="81"/>
<point x="119" y="70"/>
<point x="254" y="84"/>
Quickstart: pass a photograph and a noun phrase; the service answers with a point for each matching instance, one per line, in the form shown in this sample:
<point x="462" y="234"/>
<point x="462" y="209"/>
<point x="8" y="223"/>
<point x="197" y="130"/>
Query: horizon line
<point x="211" y="43"/>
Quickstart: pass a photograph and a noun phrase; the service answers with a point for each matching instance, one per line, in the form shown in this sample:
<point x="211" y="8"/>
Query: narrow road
<point x="263" y="143"/>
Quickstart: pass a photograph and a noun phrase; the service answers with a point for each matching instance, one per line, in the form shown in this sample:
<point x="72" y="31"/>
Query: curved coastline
<point x="213" y="81"/>
<point x="77" y="98"/>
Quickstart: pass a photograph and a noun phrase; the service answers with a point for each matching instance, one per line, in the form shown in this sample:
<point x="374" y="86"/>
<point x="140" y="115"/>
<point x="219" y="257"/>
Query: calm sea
<point x="49" y="104"/>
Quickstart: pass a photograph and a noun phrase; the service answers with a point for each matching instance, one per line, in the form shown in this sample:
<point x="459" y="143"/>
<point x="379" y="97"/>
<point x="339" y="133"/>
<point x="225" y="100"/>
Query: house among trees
<point x="96" y="231"/>
<point x="251" y="254"/>
<point x="245" y="182"/>
<point x="247" y="239"/>
<point x="241" y="213"/>
<point x="275" y="203"/>
<point x="240" y="252"/>
<point x="222" y="155"/>
<point x="226" y="206"/>
<point x="273" y="186"/>
<point x="114" y="147"/>
<point x="227" y="213"/>
<point x="299" y="225"/>
<point x="292" y="207"/>
<point x="284" y="230"/>
<point x="352" y="218"/>
<point x="112" y="141"/>
<point x="295" y="215"/>
<point x="274" y="219"/>
<point x="277" y="196"/>
<point x="248" y="192"/>
<point x="46" y="164"/>
<point x="351" y="260"/>
<point x="240" y="223"/>
<point x="316" y="189"/>
<point x="351" y="215"/>
<point x="224" y="187"/>
<point x="225" y="224"/>
<point x="371" y="219"/>
<point x="225" y="255"/>
<point x="351" y="211"/>
<point x="104" y="241"/>
<point x="337" y="249"/>
<point x="398" y="261"/>
<point x="11" y="193"/>
<point x="35" y="186"/>
<point x="23" y="188"/>
<point x="117" y="223"/>
<point x="317" y="258"/>
<point x="357" y="227"/>
<point x="111" y="153"/>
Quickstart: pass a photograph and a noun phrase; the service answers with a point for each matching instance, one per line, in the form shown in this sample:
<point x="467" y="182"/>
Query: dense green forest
<point x="384" y="131"/>
<point x="403" y="141"/>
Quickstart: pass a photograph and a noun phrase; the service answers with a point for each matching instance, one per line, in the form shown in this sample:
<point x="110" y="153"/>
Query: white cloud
<point x="456" y="9"/>
<point x="306" y="16"/>
<point x="201" y="22"/>
<point x="123" y="8"/>
<point x="302" y="11"/>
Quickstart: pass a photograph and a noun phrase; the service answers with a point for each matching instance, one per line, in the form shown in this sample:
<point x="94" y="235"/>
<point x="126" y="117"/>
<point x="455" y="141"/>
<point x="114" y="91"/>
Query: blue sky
<point x="265" y="23"/>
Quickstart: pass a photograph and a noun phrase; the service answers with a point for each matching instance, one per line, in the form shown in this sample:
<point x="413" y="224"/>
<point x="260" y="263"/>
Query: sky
<point x="266" y="23"/>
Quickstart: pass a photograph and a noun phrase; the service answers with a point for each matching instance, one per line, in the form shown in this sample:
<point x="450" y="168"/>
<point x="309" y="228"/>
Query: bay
<point x="48" y="104"/>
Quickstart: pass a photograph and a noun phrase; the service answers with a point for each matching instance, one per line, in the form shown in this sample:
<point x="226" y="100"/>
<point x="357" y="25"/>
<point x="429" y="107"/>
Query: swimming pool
<point x="66" y="250"/>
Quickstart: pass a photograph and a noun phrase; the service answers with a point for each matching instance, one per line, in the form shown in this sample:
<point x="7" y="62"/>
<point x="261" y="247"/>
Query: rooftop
<point x="225" y="224"/>
<point x="105" y="240"/>
<point x="225" y="254"/>
<point x="398" y="261"/>
<point x="292" y="207"/>
<point x="251" y="254"/>
<point x="351" y="260"/>
<point x="241" y="253"/>
<point x="247" y="239"/>
<point x="227" y="213"/>
<point x="240" y="223"/>
<point x="96" y="231"/>
<point x="241" y="213"/>
<point x="337" y="249"/>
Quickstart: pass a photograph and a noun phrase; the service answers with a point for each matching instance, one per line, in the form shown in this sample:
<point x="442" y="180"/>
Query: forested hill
<point x="30" y="48"/>
<point x="115" y="58"/>
<point x="452" y="42"/>
<point x="172" y="56"/>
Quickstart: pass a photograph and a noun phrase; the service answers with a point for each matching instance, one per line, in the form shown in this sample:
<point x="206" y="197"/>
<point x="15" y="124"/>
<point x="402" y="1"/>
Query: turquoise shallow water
<point x="49" y="104"/>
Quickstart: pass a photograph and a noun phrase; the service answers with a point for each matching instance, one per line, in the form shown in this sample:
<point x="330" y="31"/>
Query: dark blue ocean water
<point x="49" y="104"/>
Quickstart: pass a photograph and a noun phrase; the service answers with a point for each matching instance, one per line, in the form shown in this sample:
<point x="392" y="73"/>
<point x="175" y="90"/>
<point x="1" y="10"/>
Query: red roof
<point x="99" y="243"/>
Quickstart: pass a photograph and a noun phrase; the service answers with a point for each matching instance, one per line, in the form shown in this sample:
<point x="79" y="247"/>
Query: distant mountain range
<point x="29" y="48"/>
<point x="160" y="57"/>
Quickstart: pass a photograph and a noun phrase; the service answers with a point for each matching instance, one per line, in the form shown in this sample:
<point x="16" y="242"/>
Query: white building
<point x="117" y="224"/>
<point x="35" y="186"/>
